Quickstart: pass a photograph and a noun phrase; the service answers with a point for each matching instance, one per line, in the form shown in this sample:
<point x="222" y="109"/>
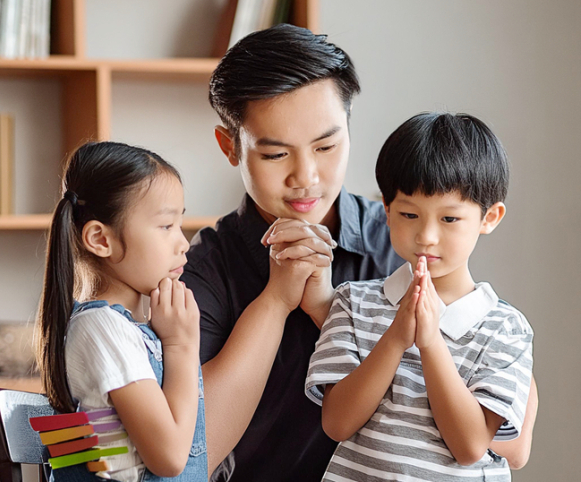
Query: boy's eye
<point x="449" y="219"/>
<point x="409" y="215"/>
<point x="326" y="148"/>
<point x="273" y="157"/>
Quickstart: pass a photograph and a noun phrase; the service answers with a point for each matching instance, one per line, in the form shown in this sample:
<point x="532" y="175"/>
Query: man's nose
<point x="305" y="172"/>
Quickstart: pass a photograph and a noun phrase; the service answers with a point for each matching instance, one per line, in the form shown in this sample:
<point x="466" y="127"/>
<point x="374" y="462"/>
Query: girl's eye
<point x="167" y="227"/>
<point x="409" y="215"/>
<point x="449" y="219"/>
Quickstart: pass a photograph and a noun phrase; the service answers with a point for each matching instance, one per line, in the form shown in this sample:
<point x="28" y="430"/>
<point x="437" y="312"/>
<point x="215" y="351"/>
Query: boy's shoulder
<point x="509" y="318"/>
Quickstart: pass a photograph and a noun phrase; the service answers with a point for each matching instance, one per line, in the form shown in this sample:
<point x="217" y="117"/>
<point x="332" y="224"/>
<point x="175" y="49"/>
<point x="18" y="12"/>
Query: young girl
<point x="116" y="236"/>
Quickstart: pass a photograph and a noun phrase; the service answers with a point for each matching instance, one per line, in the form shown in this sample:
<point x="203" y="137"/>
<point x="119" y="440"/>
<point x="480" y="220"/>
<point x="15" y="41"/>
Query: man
<point x="284" y="96"/>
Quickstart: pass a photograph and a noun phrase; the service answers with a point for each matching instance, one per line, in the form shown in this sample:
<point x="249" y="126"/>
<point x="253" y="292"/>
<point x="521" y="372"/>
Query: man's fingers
<point x="314" y="245"/>
<point x="292" y="230"/>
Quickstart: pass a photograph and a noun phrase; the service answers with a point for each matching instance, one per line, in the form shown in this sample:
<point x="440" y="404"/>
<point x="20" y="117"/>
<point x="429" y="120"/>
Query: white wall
<point x="517" y="65"/>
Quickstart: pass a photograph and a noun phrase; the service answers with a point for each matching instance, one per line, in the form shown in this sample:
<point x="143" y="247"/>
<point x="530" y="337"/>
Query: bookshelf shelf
<point x="41" y="222"/>
<point x="85" y="87"/>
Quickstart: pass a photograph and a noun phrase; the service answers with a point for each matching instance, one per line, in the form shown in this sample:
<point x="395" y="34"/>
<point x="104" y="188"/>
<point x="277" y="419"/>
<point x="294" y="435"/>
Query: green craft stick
<point x="87" y="456"/>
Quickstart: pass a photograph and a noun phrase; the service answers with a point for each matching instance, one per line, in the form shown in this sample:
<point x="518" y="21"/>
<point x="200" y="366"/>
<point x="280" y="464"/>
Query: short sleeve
<point x="205" y="275"/>
<point x="104" y="351"/>
<point x="336" y="354"/>
<point x="502" y="381"/>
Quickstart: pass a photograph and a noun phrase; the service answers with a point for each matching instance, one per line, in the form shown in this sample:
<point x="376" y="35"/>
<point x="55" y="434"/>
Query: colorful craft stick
<point x="87" y="456"/>
<point x="98" y="466"/>
<point x="72" y="447"/>
<point x="65" y="434"/>
<point x="112" y="437"/>
<point x="57" y="422"/>
<point x="100" y="413"/>
<point x="106" y="426"/>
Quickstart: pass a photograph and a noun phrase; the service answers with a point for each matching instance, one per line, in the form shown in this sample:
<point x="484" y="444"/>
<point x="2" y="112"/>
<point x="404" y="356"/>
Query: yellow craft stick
<point x="62" y="435"/>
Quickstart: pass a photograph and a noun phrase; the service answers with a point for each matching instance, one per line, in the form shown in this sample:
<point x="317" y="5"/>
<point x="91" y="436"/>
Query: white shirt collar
<point x="456" y="318"/>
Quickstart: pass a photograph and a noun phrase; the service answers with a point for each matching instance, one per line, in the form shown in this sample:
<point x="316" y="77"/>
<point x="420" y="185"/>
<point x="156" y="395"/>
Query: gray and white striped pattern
<point x="401" y="440"/>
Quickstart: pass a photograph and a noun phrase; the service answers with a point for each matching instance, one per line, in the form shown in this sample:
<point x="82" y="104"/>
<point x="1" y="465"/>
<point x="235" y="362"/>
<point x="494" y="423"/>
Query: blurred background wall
<point x="516" y="64"/>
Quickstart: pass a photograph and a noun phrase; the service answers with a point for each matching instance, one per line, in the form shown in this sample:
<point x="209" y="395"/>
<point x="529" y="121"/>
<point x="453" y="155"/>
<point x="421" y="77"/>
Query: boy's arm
<point x="517" y="451"/>
<point x="350" y="403"/>
<point x="466" y="426"/>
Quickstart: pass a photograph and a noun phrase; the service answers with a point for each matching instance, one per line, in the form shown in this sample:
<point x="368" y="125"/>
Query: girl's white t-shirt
<point x="105" y="351"/>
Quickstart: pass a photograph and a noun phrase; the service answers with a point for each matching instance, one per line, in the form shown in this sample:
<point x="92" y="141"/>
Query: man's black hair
<point x="439" y="153"/>
<point x="277" y="61"/>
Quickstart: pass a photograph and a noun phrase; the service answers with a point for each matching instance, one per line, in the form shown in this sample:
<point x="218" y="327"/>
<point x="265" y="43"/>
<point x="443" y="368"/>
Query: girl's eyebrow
<point x="163" y="211"/>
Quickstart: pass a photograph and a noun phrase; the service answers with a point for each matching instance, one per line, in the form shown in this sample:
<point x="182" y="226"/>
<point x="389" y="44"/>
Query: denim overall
<point x="196" y="469"/>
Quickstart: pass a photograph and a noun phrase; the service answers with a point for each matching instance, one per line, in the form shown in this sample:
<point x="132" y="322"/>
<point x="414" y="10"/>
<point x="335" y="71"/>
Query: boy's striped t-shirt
<point x="491" y="344"/>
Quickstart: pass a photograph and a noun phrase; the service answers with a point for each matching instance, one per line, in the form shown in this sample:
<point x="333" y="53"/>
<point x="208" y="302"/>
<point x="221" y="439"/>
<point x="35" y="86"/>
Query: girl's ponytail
<point x="99" y="181"/>
<point x="57" y="304"/>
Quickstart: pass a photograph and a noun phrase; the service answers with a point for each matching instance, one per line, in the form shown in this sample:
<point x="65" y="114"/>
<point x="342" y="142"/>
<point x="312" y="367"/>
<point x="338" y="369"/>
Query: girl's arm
<point x="161" y="421"/>
<point x="517" y="451"/>
<point x="349" y="404"/>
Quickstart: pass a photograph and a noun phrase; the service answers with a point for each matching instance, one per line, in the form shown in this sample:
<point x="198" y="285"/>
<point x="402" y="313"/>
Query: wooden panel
<point x="305" y="13"/>
<point x="80" y="123"/>
<point x="68" y="27"/>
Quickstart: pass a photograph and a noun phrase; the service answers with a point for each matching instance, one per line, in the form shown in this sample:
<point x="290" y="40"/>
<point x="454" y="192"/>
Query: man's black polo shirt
<point x="227" y="269"/>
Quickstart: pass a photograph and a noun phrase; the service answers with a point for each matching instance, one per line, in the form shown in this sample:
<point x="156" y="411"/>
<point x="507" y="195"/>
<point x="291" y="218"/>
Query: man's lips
<point x="303" y="205"/>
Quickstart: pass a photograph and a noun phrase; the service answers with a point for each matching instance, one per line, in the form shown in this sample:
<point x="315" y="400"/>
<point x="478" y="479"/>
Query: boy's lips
<point x="429" y="257"/>
<point x="303" y="205"/>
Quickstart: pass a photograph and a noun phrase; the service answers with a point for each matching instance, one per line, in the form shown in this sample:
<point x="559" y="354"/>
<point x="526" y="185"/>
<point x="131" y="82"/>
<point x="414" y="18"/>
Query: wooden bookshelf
<point x="87" y="85"/>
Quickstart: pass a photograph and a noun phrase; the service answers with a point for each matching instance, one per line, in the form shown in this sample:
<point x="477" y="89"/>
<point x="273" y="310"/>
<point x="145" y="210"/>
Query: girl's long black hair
<point x="99" y="182"/>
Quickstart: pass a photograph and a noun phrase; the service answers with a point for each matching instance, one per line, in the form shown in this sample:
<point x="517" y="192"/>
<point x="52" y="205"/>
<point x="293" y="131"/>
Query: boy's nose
<point x="305" y="172"/>
<point x="427" y="235"/>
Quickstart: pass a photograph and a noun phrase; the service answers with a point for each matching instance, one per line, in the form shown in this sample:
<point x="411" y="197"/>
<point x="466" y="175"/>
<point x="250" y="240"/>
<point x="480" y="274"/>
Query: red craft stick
<point x="56" y="422"/>
<point x="72" y="447"/>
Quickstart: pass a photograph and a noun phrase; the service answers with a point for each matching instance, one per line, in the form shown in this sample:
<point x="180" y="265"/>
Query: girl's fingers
<point x="154" y="298"/>
<point x="178" y="297"/>
<point x="165" y="289"/>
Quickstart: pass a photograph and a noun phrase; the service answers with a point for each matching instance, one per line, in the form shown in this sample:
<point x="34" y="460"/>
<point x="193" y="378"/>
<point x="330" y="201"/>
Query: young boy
<point x="417" y="372"/>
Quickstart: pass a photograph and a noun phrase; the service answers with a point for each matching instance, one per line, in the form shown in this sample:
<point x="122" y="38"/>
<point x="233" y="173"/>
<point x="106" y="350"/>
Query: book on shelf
<point x="24" y="28"/>
<point x="6" y="164"/>
<point x="252" y="15"/>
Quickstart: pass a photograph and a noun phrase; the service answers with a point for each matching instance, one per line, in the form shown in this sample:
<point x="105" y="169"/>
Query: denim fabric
<point x="196" y="469"/>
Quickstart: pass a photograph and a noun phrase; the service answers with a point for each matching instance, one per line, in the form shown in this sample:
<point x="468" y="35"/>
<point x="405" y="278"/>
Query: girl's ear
<point x="227" y="144"/>
<point x="492" y="218"/>
<point x="98" y="239"/>
<point x="386" y="210"/>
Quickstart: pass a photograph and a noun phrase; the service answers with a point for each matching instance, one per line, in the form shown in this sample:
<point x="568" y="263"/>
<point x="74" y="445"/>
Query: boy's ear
<point x="492" y="218"/>
<point x="227" y="144"/>
<point x="98" y="239"/>
<point x="386" y="211"/>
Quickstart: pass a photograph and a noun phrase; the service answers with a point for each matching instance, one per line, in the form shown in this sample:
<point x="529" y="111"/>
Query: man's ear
<point x="492" y="218"/>
<point x="98" y="239"/>
<point x="227" y="144"/>
<point x="386" y="207"/>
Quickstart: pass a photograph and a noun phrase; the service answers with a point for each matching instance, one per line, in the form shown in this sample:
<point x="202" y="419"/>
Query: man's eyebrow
<point x="331" y="132"/>
<point x="267" y="141"/>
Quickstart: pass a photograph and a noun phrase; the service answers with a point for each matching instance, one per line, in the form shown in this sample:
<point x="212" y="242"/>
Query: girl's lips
<point x="304" y="205"/>
<point x="179" y="270"/>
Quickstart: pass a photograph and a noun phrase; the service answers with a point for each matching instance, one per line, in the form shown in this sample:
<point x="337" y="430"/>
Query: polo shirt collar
<point x="456" y="318"/>
<point x="350" y="237"/>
